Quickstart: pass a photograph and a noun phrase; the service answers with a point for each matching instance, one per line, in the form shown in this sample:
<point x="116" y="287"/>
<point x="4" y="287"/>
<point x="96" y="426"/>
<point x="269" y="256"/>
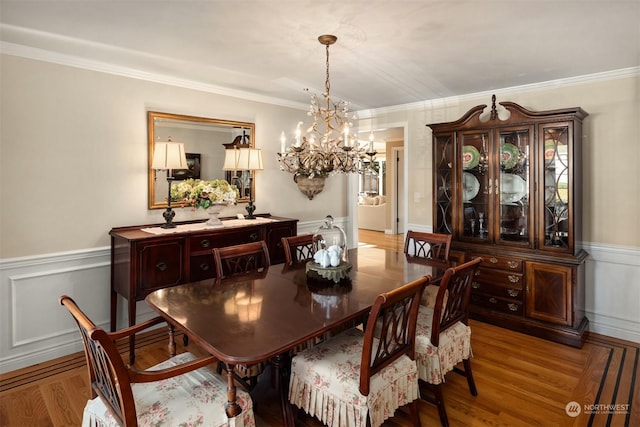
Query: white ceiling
<point x="388" y="52"/>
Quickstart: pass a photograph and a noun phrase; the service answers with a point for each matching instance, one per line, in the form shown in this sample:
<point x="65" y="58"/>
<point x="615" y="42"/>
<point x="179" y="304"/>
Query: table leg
<point x="172" y="340"/>
<point x="282" y="366"/>
<point x="232" y="408"/>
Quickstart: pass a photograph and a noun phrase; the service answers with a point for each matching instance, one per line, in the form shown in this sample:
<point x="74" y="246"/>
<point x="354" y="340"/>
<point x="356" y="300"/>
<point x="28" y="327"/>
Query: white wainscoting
<point x="34" y="328"/>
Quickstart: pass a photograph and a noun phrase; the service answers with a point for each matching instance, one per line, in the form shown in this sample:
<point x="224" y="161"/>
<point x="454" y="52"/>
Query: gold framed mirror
<point x="205" y="141"/>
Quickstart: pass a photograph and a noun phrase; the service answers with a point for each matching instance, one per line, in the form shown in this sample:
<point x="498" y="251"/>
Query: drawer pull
<point x="492" y="300"/>
<point x="493" y="260"/>
<point x="512" y="292"/>
<point x="253" y="237"/>
<point x="513" y="279"/>
<point x="162" y="266"/>
<point x="279" y="245"/>
<point x="475" y="285"/>
<point x="204" y="267"/>
<point x="512" y="264"/>
<point x="205" y="243"/>
<point x="477" y="273"/>
<point x="512" y="306"/>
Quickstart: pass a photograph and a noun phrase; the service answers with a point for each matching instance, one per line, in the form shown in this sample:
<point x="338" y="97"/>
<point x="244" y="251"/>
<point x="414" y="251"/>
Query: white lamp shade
<point x="231" y="160"/>
<point x="249" y="159"/>
<point x="169" y="155"/>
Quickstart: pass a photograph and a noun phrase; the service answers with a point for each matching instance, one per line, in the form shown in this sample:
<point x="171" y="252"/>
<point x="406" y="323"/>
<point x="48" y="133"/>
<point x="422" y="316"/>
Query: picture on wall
<point x="193" y="171"/>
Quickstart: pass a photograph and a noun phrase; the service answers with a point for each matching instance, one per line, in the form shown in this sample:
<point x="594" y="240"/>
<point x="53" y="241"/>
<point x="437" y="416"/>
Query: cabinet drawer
<point x="206" y="242"/>
<point x="504" y="291"/>
<point x="496" y="303"/>
<point x="159" y="265"/>
<point x="506" y="278"/>
<point x="201" y="267"/>
<point x="497" y="262"/>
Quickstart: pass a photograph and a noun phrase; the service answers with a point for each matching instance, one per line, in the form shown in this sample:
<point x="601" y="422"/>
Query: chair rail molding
<point x="34" y="328"/>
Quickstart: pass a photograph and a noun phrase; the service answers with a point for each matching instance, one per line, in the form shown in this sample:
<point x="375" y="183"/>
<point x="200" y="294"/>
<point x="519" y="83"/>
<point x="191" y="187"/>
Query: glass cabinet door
<point x="556" y="186"/>
<point x="475" y="186"/>
<point x="443" y="184"/>
<point x="513" y="184"/>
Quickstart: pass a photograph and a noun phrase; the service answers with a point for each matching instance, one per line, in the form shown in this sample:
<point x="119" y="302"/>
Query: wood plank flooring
<point x="521" y="380"/>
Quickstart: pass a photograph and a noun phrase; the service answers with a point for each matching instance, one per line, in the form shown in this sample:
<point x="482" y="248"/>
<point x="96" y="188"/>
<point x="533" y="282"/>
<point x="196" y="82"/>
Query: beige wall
<point x="74" y="155"/>
<point x="611" y="145"/>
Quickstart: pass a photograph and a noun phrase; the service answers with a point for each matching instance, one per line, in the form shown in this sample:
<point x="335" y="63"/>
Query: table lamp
<point x="249" y="159"/>
<point x="168" y="156"/>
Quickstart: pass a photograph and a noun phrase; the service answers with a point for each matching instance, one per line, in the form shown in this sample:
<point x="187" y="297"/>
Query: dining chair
<point x="428" y="245"/>
<point x="360" y="377"/>
<point x="235" y="260"/>
<point x="443" y="335"/>
<point x="298" y="249"/>
<point x="178" y="391"/>
<point x="241" y="259"/>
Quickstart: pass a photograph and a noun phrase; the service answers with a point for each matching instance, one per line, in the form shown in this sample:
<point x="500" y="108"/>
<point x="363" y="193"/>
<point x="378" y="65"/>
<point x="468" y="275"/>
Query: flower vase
<point x="213" y="211"/>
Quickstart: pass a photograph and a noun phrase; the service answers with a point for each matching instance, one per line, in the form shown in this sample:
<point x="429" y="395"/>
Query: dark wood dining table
<point x="262" y="317"/>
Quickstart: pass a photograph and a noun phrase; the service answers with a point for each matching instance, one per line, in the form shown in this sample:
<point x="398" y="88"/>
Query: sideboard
<point x="145" y="258"/>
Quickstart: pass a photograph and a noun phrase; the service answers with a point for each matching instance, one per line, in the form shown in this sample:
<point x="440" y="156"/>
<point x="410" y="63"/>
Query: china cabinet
<point x="142" y="262"/>
<point x="507" y="186"/>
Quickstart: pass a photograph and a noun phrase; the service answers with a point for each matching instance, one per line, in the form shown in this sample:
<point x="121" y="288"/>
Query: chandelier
<point x="326" y="147"/>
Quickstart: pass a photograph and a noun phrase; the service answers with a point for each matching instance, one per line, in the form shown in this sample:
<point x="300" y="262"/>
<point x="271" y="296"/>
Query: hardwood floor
<point x="521" y="380"/>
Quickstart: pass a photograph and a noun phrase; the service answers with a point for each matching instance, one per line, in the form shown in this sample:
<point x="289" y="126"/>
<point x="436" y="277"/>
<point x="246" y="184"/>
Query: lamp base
<point x="250" y="210"/>
<point x="168" y="217"/>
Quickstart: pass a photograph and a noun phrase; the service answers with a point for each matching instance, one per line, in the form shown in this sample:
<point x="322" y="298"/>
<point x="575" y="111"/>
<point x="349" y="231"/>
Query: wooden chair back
<point x="392" y="320"/>
<point x="456" y="285"/>
<point x="298" y="249"/>
<point x="241" y="259"/>
<point x="107" y="372"/>
<point x="428" y="245"/>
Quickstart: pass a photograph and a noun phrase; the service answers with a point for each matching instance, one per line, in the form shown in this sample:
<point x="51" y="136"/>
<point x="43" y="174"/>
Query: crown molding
<point x="452" y="100"/>
<point x="104" y="67"/>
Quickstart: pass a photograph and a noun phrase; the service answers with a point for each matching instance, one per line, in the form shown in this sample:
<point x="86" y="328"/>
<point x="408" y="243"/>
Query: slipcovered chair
<point x="179" y="391"/>
<point x="298" y="249"/>
<point x="360" y="378"/>
<point x="428" y="245"/>
<point x="443" y="335"/>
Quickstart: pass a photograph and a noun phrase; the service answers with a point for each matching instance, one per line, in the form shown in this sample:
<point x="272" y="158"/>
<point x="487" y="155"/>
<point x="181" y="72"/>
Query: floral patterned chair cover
<point x="195" y="398"/>
<point x="443" y="337"/>
<point x="327" y="380"/>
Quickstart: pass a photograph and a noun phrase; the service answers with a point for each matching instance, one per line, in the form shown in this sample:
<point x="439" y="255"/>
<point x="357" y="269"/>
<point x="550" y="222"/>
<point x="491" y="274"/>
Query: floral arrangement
<point x="202" y="194"/>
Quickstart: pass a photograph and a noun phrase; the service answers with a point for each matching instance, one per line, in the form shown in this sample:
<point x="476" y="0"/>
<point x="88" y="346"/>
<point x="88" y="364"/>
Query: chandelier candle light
<point x="326" y="147"/>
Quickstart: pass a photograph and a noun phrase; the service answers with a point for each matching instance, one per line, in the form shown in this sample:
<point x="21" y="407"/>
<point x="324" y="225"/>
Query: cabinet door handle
<point x="162" y="266"/>
<point x="204" y="267"/>
<point x="513" y="279"/>
<point x="512" y="264"/>
<point x="512" y="292"/>
<point x="253" y="237"/>
<point x="512" y="306"/>
<point x="475" y="285"/>
<point x="205" y="243"/>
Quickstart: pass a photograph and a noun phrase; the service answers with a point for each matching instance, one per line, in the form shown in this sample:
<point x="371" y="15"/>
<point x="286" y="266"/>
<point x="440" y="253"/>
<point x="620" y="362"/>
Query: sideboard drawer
<point x="494" y="289"/>
<point x="498" y="262"/>
<point x="233" y="236"/>
<point x="201" y="267"/>
<point x="159" y="265"/>
<point x="506" y="278"/>
<point x="498" y="304"/>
